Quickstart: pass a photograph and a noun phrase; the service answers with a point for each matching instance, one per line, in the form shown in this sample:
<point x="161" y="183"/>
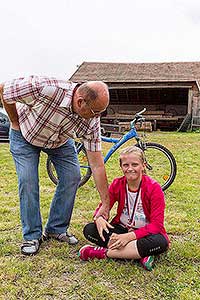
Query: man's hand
<point x="102" y="225"/>
<point x="118" y="241"/>
<point x="15" y="125"/>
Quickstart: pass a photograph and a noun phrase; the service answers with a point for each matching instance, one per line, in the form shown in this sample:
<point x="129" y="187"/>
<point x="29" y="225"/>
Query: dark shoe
<point x="30" y="247"/>
<point x="61" y="237"/>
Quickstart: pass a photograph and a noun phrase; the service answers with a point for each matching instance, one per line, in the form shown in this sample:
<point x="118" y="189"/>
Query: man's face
<point x="85" y="106"/>
<point x="91" y="110"/>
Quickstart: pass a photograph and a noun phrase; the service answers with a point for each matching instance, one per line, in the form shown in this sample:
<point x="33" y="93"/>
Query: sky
<point x="54" y="37"/>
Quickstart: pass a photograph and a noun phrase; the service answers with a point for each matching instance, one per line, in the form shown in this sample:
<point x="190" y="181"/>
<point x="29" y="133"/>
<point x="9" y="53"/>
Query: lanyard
<point x="131" y="217"/>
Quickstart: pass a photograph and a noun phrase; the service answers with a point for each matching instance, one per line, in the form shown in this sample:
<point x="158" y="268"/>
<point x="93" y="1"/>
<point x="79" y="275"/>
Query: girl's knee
<point x="89" y="230"/>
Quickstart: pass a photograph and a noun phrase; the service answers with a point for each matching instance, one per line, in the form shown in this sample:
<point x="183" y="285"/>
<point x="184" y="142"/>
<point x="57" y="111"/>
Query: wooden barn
<point x="169" y="91"/>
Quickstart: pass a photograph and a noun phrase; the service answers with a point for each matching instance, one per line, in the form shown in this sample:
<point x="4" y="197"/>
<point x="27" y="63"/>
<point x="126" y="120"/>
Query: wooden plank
<point x="110" y="127"/>
<point x="4" y="140"/>
<point x="149" y="112"/>
<point x="124" y="126"/>
<point x="147" y="118"/>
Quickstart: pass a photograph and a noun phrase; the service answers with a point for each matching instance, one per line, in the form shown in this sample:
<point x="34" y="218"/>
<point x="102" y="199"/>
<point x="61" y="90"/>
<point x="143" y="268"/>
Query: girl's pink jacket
<point x="153" y="202"/>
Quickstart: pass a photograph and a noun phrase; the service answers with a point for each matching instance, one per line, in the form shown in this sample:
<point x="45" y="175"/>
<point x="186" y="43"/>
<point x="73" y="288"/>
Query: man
<point x="46" y="114"/>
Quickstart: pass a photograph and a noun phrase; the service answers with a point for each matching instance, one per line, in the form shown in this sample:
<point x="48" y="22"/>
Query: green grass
<point x="57" y="273"/>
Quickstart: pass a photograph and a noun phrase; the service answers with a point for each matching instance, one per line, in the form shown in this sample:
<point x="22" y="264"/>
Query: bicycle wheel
<point x="84" y="166"/>
<point x="51" y="171"/>
<point x="161" y="164"/>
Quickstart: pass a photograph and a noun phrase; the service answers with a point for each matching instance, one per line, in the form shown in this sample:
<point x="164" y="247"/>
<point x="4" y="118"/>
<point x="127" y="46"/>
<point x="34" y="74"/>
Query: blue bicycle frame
<point x="132" y="133"/>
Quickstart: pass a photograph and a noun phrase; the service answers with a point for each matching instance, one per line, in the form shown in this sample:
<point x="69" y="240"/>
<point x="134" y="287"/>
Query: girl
<point x="137" y="230"/>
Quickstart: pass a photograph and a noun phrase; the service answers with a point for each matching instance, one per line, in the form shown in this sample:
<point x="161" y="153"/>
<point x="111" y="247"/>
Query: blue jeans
<point x="64" y="158"/>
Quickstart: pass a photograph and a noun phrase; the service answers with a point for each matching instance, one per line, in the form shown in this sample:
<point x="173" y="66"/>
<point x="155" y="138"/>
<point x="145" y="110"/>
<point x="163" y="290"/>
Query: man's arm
<point x="99" y="173"/>
<point x="11" y="110"/>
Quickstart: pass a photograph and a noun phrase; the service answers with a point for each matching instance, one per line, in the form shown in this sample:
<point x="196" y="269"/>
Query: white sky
<point x="52" y="37"/>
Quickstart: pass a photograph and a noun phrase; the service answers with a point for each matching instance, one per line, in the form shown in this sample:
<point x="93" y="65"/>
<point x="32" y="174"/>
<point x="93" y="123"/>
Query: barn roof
<point x="138" y="72"/>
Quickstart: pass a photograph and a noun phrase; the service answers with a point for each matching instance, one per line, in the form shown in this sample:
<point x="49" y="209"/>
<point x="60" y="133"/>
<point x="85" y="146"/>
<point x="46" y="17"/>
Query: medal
<point x="131" y="222"/>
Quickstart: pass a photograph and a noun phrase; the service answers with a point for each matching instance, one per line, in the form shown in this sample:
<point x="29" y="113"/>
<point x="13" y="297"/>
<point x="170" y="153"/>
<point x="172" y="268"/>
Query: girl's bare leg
<point x="130" y="251"/>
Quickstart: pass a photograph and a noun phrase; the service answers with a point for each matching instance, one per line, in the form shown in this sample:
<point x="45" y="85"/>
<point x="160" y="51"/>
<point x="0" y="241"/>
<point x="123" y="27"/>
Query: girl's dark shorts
<point x="152" y="244"/>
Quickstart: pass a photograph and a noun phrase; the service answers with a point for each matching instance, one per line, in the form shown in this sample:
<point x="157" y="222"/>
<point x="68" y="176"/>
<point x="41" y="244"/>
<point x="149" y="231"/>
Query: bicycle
<point x="160" y="162"/>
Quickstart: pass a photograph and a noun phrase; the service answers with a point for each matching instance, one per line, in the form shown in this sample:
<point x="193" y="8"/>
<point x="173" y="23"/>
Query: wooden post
<point x="190" y="102"/>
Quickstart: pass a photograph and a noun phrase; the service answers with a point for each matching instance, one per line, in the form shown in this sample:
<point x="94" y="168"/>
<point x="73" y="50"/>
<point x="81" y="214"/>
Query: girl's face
<point x="132" y="166"/>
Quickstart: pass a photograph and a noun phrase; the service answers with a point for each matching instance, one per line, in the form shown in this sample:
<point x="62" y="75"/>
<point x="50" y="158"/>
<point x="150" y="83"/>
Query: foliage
<point x="57" y="273"/>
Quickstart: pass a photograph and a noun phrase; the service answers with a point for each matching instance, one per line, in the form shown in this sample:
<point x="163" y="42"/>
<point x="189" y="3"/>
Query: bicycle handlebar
<point x="138" y="117"/>
<point x="142" y="111"/>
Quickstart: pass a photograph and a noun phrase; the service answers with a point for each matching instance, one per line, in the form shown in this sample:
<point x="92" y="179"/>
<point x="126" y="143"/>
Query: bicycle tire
<point x="51" y="171"/>
<point x="161" y="164"/>
<point x="84" y="165"/>
<point x="84" y="169"/>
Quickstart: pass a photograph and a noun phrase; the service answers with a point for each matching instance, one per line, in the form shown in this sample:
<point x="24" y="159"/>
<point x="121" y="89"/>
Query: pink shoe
<point x="147" y="262"/>
<point x="90" y="252"/>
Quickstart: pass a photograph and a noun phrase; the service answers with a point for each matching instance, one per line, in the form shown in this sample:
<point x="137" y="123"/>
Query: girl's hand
<point x="118" y="241"/>
<point x="102" y="225"/>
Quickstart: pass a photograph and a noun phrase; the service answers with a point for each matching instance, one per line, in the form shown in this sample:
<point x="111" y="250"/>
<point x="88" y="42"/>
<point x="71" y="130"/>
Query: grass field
<point x="57" y="273"/>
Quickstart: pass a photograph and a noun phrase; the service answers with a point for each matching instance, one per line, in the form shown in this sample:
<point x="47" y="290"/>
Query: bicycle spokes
<point x="160" y="164"/>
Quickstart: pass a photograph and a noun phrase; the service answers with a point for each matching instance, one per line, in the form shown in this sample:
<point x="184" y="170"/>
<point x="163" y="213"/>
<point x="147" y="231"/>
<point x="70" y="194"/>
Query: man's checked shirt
<point x="46" y="119"/>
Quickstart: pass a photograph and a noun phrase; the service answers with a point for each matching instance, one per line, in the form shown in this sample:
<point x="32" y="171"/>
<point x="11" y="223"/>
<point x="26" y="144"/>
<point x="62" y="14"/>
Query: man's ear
<point x="80" y="101"/>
